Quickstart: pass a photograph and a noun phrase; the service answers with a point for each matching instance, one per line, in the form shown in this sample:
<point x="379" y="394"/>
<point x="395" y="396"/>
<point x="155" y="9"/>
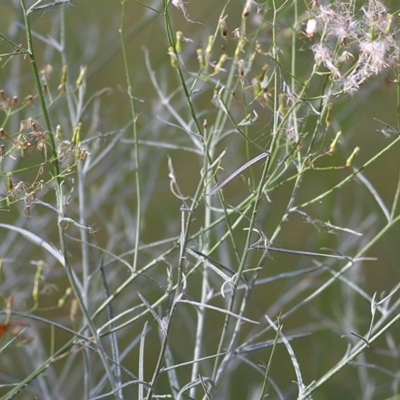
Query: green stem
<point x="135" y="139"/>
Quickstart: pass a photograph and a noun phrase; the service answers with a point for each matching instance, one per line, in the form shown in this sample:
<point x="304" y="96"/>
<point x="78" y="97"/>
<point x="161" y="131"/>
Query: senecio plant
<point x="220" y="228"/>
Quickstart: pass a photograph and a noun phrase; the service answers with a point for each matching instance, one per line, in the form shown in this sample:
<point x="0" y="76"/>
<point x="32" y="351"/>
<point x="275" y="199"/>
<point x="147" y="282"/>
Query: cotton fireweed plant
<point x="213" y="238"/>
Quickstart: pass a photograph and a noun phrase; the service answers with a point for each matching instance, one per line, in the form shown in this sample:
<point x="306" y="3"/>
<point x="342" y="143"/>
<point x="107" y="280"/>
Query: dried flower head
<point x="369" y="39"/>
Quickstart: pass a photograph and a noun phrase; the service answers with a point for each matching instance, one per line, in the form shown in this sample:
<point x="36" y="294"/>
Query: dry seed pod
<point x="241" y="67"/>
<point x="28" y="100"/>
<point x="3" y="97"/>
<point x="14" y="101"/>
<point x="46" y="71"/>
<point x="222" y="26"/>
<point x="247" y="8"/>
